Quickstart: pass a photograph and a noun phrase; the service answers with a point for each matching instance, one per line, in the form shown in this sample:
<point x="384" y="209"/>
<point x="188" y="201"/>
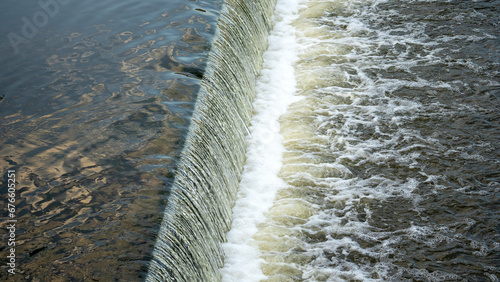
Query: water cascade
<point x="198" y="213"/>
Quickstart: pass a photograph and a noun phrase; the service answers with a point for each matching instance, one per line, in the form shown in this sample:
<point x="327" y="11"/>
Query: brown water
<point x="95" y="105"/>
<point x="392" y="158"/>
<point x="391" y="162"/>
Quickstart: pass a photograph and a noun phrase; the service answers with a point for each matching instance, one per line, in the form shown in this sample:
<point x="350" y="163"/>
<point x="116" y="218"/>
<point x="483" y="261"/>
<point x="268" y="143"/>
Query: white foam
<point x="350" y="119"/>
<point x="260" y="181"/>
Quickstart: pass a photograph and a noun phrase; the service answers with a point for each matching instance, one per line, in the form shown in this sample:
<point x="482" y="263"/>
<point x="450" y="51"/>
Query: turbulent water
<point x="198" y="212"/>
<point x="369" y="144"/>
<point x="391" y="163"/>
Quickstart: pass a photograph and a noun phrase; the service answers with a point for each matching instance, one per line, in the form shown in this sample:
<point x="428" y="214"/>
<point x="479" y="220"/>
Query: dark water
<point x="393" y="157"/>
<point x="96" y="98"/>
<point x="391" y="162"/>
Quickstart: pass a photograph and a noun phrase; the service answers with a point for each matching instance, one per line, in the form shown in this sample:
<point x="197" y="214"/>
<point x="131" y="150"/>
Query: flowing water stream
<point x="238" y="140"/>
<point x="391" y="161"/>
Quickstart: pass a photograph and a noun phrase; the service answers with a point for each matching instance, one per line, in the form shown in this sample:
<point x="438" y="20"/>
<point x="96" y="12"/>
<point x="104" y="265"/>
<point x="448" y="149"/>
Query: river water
<point x="158" y="140"/>
<point x="96" y="98"/>
<point x="390" y="169"/>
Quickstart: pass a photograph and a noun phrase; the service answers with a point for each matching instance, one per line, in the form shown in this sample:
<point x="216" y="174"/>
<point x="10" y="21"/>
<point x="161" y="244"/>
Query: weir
<point x="198" y="212"/>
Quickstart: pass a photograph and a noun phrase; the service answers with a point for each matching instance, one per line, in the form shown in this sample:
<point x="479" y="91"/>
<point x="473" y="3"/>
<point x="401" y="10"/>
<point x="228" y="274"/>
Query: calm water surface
<point x="96" y="97"/>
